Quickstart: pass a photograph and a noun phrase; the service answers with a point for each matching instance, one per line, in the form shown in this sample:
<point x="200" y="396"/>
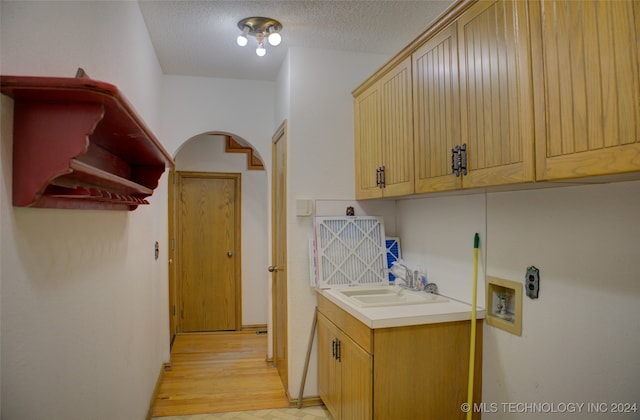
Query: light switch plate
<point x="304" y="207"/>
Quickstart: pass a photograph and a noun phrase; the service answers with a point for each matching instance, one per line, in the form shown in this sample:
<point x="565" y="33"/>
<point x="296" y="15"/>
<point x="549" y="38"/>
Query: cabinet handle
<point x="337" y="350"/>
<point x="383" y="177"/>
<point x="333" y="349"/>
<point x="463" y="159"/>
<point x="455" y="163"/>
<point x="378" y="177"/>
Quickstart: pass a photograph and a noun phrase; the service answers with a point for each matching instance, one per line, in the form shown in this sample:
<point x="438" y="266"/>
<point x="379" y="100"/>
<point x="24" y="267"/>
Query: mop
<point x="472" y="344"/>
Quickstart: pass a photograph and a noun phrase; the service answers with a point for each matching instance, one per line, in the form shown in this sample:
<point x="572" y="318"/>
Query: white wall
<point x="320" y="167"/>
<point x="583" y="330"/>
<point x="580" y="339"/>
<point x="283" y="92"/>
<point x="194" y="105"/>
<point x="437" y="235"/>
<point x="84" y="328"/>
<point x="205" y="153"/>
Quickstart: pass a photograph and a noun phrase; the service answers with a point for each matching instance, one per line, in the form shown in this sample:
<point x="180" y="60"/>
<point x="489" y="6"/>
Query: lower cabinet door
<point x="357" y="380"/>
<point x="345" y="374"/>
<point x="329" y="375"/>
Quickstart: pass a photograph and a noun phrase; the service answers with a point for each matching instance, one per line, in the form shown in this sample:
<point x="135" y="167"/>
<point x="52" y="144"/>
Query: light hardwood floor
<point x="219" y="372"/>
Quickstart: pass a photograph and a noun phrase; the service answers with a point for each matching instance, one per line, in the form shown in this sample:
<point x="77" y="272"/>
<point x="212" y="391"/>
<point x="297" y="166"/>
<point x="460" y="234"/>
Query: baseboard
<point x="166" y="367"/>
<point x="256" y="327"/>
<point x="306" y="401"/>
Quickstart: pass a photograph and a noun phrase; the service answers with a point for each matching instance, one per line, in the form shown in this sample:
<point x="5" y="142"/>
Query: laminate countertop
<point x="403" y="315"/>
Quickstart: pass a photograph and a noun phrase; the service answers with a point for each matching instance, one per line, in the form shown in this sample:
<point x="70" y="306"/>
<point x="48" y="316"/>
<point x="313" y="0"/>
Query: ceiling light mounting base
<point x="259" y="25"/>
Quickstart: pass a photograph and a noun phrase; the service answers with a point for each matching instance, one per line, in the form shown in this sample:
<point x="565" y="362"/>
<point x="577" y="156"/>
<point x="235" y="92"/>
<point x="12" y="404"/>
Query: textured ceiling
<point x="198" y="38"/>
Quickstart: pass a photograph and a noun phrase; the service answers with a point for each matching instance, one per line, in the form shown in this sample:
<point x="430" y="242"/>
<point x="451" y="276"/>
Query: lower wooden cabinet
<point x="345" y="373"/>
<point x="412" y="372"/>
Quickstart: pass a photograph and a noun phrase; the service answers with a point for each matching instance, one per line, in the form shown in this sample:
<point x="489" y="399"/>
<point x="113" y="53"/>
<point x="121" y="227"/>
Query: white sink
<point x="388" y="296"/>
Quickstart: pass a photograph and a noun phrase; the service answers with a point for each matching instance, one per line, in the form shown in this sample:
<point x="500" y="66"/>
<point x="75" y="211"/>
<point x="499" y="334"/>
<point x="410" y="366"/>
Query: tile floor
<point x="305" y="413"/>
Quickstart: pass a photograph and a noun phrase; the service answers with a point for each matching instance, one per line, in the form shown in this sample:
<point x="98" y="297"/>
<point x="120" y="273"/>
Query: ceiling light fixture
<point x="260" y="28"/>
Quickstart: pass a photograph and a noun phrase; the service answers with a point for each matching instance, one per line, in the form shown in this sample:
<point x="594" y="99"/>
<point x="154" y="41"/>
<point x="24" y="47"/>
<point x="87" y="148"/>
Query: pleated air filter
<point x="393" y="253"/>
<point x="350" y="251"/>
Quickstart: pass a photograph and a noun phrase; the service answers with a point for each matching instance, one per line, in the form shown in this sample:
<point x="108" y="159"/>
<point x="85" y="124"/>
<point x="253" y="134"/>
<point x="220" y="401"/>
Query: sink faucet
<point x="408" y="277"/>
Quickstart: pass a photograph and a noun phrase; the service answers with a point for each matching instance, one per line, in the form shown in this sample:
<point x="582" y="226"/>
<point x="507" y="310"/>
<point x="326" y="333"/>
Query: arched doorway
<point x="216" y="155"/>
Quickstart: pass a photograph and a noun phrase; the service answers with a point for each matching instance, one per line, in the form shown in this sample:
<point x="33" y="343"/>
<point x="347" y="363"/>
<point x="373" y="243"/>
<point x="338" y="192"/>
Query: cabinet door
<point x="586" y="81"/>
<point x="437" y="112"/>
<point x="357" y="380"/>
<point x="496" y="93"/>
<point x="329" y="375"/>
<point x="397" y="130"/>
<point x="368" y="156"/>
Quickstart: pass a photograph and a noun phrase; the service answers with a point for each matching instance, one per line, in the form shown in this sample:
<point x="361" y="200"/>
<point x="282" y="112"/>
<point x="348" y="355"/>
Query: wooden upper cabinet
<point x="368" y="150"/>
<point x="537" y="90"/>
<point x="397" y="130"/>
<point x="384" y="136"/>
<point x="472" y="90"/>
<point x="586" y="82"/>
<point x="436" y="108"/>
<point x="496" y="94"/>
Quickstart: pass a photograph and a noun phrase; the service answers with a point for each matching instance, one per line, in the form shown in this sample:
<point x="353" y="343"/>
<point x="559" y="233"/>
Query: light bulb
<point x="274" y="39"/>
<point x="242" y="38"/>
<point x="260" y="50"/>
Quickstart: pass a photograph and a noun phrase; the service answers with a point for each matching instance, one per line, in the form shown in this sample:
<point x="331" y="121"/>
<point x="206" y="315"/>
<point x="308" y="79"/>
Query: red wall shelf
<point x="78" y="144"/>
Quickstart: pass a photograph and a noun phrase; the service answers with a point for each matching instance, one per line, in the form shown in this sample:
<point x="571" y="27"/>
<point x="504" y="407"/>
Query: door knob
<point x="272" y="268"/>
<point x="229" y="254"/>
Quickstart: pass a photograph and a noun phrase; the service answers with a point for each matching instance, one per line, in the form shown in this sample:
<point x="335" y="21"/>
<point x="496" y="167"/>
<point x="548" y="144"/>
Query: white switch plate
<point x="304" y="207"/>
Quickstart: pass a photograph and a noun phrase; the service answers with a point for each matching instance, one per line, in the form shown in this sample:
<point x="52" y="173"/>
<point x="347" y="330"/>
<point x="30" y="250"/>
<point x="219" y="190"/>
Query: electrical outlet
<point x="532" y="282"/>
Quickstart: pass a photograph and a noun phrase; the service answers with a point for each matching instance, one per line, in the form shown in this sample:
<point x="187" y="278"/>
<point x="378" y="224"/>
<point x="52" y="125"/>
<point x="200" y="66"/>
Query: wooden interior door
<point x="208" y="244"/>
<point x="279" y="252"/>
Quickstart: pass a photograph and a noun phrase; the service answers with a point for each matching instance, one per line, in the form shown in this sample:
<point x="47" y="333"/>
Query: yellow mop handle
<point x="472" y="343"/>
